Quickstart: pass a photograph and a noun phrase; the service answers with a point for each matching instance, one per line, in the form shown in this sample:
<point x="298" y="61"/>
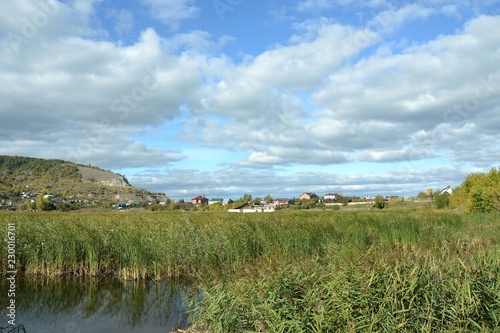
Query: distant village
<point x="307" y="200"/>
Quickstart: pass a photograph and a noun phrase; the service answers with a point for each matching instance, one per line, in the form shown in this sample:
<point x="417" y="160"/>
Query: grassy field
<point x="330" y="271"/>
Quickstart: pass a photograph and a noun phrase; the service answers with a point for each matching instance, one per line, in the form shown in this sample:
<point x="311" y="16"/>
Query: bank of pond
<point x="374" y="271"/>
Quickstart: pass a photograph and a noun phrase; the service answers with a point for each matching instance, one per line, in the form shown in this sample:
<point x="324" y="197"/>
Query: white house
<point x="331" y="196"/>
<point x="447" y="190"/>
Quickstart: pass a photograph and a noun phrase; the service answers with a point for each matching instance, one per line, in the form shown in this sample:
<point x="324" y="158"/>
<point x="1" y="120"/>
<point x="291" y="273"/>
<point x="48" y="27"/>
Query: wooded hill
<point x="25" y="177"/>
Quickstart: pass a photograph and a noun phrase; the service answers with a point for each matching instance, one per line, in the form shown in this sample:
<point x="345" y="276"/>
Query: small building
<point x="308" y="196"/>
<point x="199" y="200"/>
<point x="331" y="196"/>
<point x="281" y="201"/>
<point x="447" y="190"/>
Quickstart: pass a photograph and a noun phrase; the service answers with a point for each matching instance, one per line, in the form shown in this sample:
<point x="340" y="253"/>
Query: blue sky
<point x="228" y="97"/>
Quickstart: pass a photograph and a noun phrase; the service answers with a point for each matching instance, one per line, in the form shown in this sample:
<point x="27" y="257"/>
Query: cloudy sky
<point x="226" y="97"/>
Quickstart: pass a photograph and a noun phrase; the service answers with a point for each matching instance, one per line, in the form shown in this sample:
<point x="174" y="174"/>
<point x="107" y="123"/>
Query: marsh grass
<point x="385" y="289"/>
<point x="294" y="271"/>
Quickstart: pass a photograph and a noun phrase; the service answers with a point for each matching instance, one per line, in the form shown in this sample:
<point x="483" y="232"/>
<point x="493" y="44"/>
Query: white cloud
<point x="314" y="5"/>
<point x="66" y="93"/>
<point x="123" y="20"/>
<point x="371" y="110"/>
<point x="392" y="19"/>
<point x="171" y="12"/>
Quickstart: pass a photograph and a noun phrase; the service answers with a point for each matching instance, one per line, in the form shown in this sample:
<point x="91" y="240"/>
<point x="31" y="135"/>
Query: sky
<point x="227" y="97"/>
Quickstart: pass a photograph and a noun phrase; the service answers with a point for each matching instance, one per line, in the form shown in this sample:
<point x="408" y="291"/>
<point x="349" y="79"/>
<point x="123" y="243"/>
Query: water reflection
<point x="96" y="305"/>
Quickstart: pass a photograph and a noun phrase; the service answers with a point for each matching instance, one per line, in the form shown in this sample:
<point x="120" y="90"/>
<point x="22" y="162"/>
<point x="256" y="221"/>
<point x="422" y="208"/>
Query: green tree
<point x="268" y="198"/>
<point x="422" y="195"/>
<point x="43" y="204"/>
<point x="479" y="192"/>
<point x="379" y="202"/>
<point x="441" y="200"/>
<point x="246" y="199"/>
<point x="257" y="201"/>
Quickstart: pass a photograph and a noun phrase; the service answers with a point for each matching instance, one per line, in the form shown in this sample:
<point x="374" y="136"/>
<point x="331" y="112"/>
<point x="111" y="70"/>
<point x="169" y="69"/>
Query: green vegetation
<point x="379" y="202"/>
<point x="43" y="204"/>
<point x="17" y="172"/>
<point x="292" y="271"/>
<point x="441" y="200"/>
<point x="478" y="192"/>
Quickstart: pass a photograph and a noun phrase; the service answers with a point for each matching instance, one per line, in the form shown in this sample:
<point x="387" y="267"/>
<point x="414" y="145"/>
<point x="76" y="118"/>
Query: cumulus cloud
<point x="371" y="111"/>
<point x="69" y="90"/>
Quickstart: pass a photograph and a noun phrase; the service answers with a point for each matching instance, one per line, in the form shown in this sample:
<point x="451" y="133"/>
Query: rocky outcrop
<point x="141" y="197"/>
<point x="116" y="182"/>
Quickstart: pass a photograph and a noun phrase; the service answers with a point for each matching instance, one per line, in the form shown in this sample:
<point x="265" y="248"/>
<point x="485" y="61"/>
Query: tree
<point x="441" y="200"/>
<point x="479" y="192"/>
<point x="247" y="198"/>
<point x="268" y="198"/>
<point x="422" y="195"/>
<point x="379" y="202"/>
<point x="257" y="201"/>
<point x="43" y="204"/>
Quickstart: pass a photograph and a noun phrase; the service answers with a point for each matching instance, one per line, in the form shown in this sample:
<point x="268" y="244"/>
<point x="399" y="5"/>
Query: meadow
<point x="290" y="271"/>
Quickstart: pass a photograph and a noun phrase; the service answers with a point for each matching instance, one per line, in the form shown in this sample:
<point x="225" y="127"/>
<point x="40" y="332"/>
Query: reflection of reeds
<point x="134" y="303"/>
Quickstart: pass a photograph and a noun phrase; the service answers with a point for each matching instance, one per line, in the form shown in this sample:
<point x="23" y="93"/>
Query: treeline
<point x="479" y="192"/>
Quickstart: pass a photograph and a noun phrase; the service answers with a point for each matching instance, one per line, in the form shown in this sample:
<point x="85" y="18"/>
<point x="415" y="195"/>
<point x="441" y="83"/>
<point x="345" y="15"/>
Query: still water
<point x="75" y="305"/>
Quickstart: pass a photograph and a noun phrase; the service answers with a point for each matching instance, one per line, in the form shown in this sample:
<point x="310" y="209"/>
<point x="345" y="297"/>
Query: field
<point x="292" y="271"/>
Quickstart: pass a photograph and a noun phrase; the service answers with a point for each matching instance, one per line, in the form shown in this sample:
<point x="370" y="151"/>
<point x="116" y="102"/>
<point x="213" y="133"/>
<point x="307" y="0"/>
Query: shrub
<point x="379" y="202"/>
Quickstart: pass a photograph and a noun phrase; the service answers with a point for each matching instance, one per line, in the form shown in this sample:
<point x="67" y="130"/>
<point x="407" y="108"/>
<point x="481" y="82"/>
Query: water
<point x="76" y="305"/>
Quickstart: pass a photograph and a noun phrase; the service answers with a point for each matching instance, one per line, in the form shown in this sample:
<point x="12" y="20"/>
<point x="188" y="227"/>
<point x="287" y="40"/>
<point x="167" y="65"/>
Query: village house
<point x="199" y="200"/>
<point x="281" y="201"/>
<point x="308" y="196"/>
<point x="331" y="196"/>
<point x="368" y="198"/>
<point x="447" y="190"/>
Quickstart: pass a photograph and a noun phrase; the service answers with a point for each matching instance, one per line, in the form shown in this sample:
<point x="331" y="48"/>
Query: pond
<point x="77" y="305"/>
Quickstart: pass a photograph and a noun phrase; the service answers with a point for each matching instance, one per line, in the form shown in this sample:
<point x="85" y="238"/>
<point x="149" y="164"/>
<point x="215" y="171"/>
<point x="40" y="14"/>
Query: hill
<point x="25" y="178"/>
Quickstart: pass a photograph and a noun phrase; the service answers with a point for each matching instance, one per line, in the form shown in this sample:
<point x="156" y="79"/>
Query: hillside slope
<point x="25" y="177"/>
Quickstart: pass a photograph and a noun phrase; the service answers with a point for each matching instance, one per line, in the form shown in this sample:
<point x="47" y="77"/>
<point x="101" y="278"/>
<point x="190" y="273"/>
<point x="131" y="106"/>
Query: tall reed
<point x="288" y="271"/>
<point x="155" y="245"/>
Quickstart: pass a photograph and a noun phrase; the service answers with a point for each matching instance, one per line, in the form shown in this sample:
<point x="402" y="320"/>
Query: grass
<point x="324" y="271"/>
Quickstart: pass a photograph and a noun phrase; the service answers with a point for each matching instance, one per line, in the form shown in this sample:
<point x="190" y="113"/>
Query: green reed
<point x="332" y="271"/>
<point x="155" y="245"/>
<point x="391" y="288"/>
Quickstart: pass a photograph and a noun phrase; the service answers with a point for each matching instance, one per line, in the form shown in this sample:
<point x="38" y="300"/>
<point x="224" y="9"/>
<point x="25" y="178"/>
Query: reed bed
<point x="385" y="271"/>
